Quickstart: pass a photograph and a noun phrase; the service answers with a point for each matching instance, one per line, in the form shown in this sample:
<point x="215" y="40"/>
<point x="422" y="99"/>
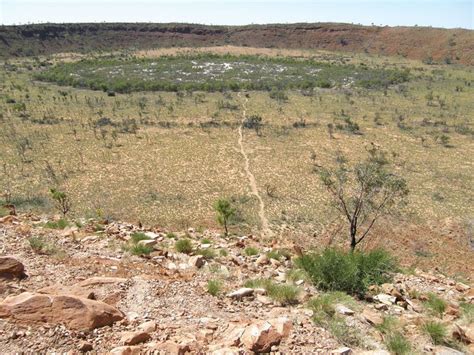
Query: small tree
<point x="63" y="204"/>
<point x="364" y="193"/>
<point x="254" y="122"/>
<point x="225" y="212"/>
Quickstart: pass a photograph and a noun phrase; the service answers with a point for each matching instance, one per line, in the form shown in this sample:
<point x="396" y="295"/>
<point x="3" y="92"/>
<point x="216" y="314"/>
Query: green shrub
<point x="296" y="275"/>
<point x="214" y="287"/>
<point x="278" y="254"/>
<point x="206" y="253"/>
<point x="184" y="246"/>
<point x="138" y="236"/>
<point x="251" y="251"/>
<point x="397" y="344"/>
<point x="436" y="331"/>
<point x="206" y="241"/>
<point x="139" y="249"/>
<point x="436" y="305"/>
<point x="336" y="270"/>
<point x="41" y="246"/>
<point x="285" y="294"/>
<point x="467" y="312"/>
<point x="223" y="252"/>
<point x="59" y="224"/>
<point x="37" y="244"/>
<point x="171" y="235"/>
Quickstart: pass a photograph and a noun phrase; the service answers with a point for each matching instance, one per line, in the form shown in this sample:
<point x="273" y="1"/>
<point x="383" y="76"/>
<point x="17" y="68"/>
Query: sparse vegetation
<point x="207" y="253"/>
<point x="282" y="293"/>
<point x="398" y="344"/>
<point x="214" y="287"/>
<point x="436" y="305"/>
<point x="251" y="251"/>
<point x="436" y="331"/>
<point x="325" y="316"/>
<point x="138" y="236"/>
<point x="59" y="224"/>
<point x="184" y="246"/>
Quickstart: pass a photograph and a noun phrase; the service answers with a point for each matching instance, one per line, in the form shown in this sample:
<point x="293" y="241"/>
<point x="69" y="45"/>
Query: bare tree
<point x="363" y="193"/>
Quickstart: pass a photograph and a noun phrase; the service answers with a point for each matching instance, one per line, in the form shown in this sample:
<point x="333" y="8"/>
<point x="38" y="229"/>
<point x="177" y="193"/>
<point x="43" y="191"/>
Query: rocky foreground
<point x="81" y="289"/>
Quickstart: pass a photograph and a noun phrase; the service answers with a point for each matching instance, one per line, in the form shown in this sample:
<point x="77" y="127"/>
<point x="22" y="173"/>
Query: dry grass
<point x="172" y="176"/>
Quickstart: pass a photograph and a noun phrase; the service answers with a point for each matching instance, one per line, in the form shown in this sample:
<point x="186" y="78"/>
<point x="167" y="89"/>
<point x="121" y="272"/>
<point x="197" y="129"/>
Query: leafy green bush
<point x="351" y="272"/>
<point x="436" y="331"/>
<point x="184" y="246"/>
<point x="214" y="287"/>
<point x="436" y="305"/>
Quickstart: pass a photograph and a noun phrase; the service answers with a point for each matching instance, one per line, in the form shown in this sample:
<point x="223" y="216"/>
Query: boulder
<point x="342" y="351"/>
<point x="196" y="261"/>
<point x="85" y="346"/>
<point x="134" y="338"/>
<point x="372" y="317"/>
<point x="98" y="281"/>
<point x="241" y="292"/>
<point x="68" y="291"/>
<point x="171" y="347"/>
<point x="126" y="350"/>
<point x="444" y="350"/>
<point x="74" y="312"/>
<point x="385" y="299"/>
<point x="262" y="335"/>
<point x="262" y="260"/>
<point x="11" y="268"/>
<point x="341" y="309"/>
<point x="461" y="287"/>
<point x="148" y="327"/>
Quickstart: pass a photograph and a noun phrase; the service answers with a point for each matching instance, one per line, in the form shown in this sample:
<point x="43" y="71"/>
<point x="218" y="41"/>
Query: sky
<point x="436" y="13"/>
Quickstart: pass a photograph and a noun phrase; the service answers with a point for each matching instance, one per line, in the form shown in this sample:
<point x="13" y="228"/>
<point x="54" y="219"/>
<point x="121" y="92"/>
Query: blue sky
<point x="436" y="13"/>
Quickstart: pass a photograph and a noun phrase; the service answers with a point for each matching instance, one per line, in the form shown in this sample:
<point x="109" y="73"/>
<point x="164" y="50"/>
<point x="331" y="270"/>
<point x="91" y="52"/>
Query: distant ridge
<point x="423" y="43"/>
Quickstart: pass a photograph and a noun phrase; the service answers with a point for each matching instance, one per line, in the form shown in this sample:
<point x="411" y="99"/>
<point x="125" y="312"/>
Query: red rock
<point x="171" y="347"/>
<point x="262" y="335"/>
<point x="10" y="268"/>
<point x="75" y="312"/>
<point x="67" y="290"/>
<point x="134" y="338"/>
<point x="372" y="317"/>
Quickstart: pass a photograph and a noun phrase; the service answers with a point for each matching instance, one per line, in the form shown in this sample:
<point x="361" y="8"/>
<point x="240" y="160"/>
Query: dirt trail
<point x="266" y="231"/>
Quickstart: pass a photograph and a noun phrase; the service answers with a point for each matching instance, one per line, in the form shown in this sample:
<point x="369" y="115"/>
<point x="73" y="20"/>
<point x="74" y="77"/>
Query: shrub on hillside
<point x="351" y="272"/>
